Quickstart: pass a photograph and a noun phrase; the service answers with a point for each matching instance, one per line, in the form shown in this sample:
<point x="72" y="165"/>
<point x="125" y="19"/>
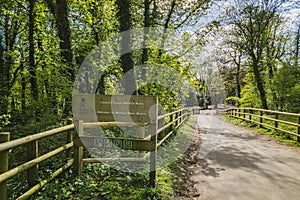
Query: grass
<point x="278" y="135"/>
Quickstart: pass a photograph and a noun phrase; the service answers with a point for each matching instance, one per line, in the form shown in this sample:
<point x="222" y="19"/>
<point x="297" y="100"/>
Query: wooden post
<point x="69" y="138"/>
<point x="171" y="119"/>
<point x="4" y="137"/>
<point x="78" y="150"/>
<point x="32" y="152"/>
<point x="244" y="113"/>
<point x="142" y="136"/>
<point x="153" y="154"/>
<point x="161" y="123"/>
<point x="260" y="118"/>
<point x="179" y="117"/>
<point x="176" y="117"/>
<point x="239" y="112"/>
<point x="276" y="122"/>
<point x="298" y="138"/>
<point x="250" y="114"/>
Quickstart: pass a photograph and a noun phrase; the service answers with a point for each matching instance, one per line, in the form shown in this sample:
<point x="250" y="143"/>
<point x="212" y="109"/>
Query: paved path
<point x="243" y="165"/>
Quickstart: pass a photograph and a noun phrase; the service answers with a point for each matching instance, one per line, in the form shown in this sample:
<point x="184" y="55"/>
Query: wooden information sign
<point x="92" y="110"/>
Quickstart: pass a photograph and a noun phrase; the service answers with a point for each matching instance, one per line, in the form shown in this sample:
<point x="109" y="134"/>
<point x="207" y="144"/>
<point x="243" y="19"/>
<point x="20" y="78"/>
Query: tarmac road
<point x="236" y="163"/>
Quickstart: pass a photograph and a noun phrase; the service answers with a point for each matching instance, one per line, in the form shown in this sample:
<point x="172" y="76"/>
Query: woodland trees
<point x="44" y="42"/>
<point x="259" y="35"/>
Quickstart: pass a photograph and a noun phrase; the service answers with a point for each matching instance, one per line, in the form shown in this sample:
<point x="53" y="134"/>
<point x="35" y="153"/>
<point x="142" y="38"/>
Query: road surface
<point x="236" y="163"/>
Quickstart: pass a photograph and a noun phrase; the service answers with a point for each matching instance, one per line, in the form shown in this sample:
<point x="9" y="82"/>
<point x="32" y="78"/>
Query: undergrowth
<point x="102" y="182"/>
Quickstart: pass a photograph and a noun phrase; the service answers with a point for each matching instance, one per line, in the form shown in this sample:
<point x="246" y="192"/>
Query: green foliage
<point x="4" y="121"/>
<point x="286" y="84"/>
<point x="250" y="95"/>
<point x="101" y="182"/>
<point x="232" y="100"/>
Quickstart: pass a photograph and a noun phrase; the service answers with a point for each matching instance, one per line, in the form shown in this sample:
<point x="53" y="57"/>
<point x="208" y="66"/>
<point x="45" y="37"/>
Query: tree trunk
<point x="1" y="57"/>
<point x="9" y="39"/>
<point x="32" y="68"/>
<point x="260" y="85"/>
<point x="238" y="82"/>
<point x="64" y="34"/>
<point x="166" y="26"/>
<point x="2" y="80"/>
<point x="297" y="46"/>
<point x="23" y="93"/>
<point x="125" y="44"/>
<point x="146" y="32"/>
<point x="60" y="12"/>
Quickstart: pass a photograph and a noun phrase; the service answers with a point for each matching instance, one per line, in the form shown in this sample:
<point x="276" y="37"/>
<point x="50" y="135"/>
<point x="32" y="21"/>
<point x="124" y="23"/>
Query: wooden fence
<point x="33" y="159"/>
<point x="262" y="116"/>
<point x="31" y="142"/>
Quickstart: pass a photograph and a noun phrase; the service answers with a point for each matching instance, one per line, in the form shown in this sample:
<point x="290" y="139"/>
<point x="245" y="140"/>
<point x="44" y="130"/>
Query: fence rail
<point x="31" y="142"/>
<point x="273" y="116"/>
<point x="33" y="159"/>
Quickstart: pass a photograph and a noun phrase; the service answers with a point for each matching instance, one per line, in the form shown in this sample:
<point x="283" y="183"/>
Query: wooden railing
<point x="33" y="159"/>
<point x="176" y="118"/>
<point x="31" y="142"/>
<point x="262" y="116"/>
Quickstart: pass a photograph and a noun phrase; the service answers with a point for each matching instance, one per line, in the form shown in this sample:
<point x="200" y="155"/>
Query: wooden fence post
<point x="276" y="118"/>
<point x="153" y="154"/>
<point x="171" y="119"/>
<point x="260" y="118"/>
<point x="4" y="137"/>
<point x="69" y="138"/>
<point x="161" y="123"/>
<point x="78" y="149"/>
<point x="176" y="117"/>
<point x="250" y="114"/>
<point x="32" y="152"/>
<point x="244" y="113"/>
<point x="298" y="138"/>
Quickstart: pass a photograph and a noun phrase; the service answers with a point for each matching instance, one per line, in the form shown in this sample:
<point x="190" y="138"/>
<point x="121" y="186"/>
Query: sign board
<point x="135" y="110"/>
<point x="119" y="108"/>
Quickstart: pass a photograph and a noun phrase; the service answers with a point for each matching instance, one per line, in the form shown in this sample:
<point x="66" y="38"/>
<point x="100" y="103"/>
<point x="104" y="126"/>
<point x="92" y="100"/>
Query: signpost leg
<point x="152" y="168"/>
<point x="142" y="136"/>
<point x="78" y="150"/>
<point x="153" y="154"/>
